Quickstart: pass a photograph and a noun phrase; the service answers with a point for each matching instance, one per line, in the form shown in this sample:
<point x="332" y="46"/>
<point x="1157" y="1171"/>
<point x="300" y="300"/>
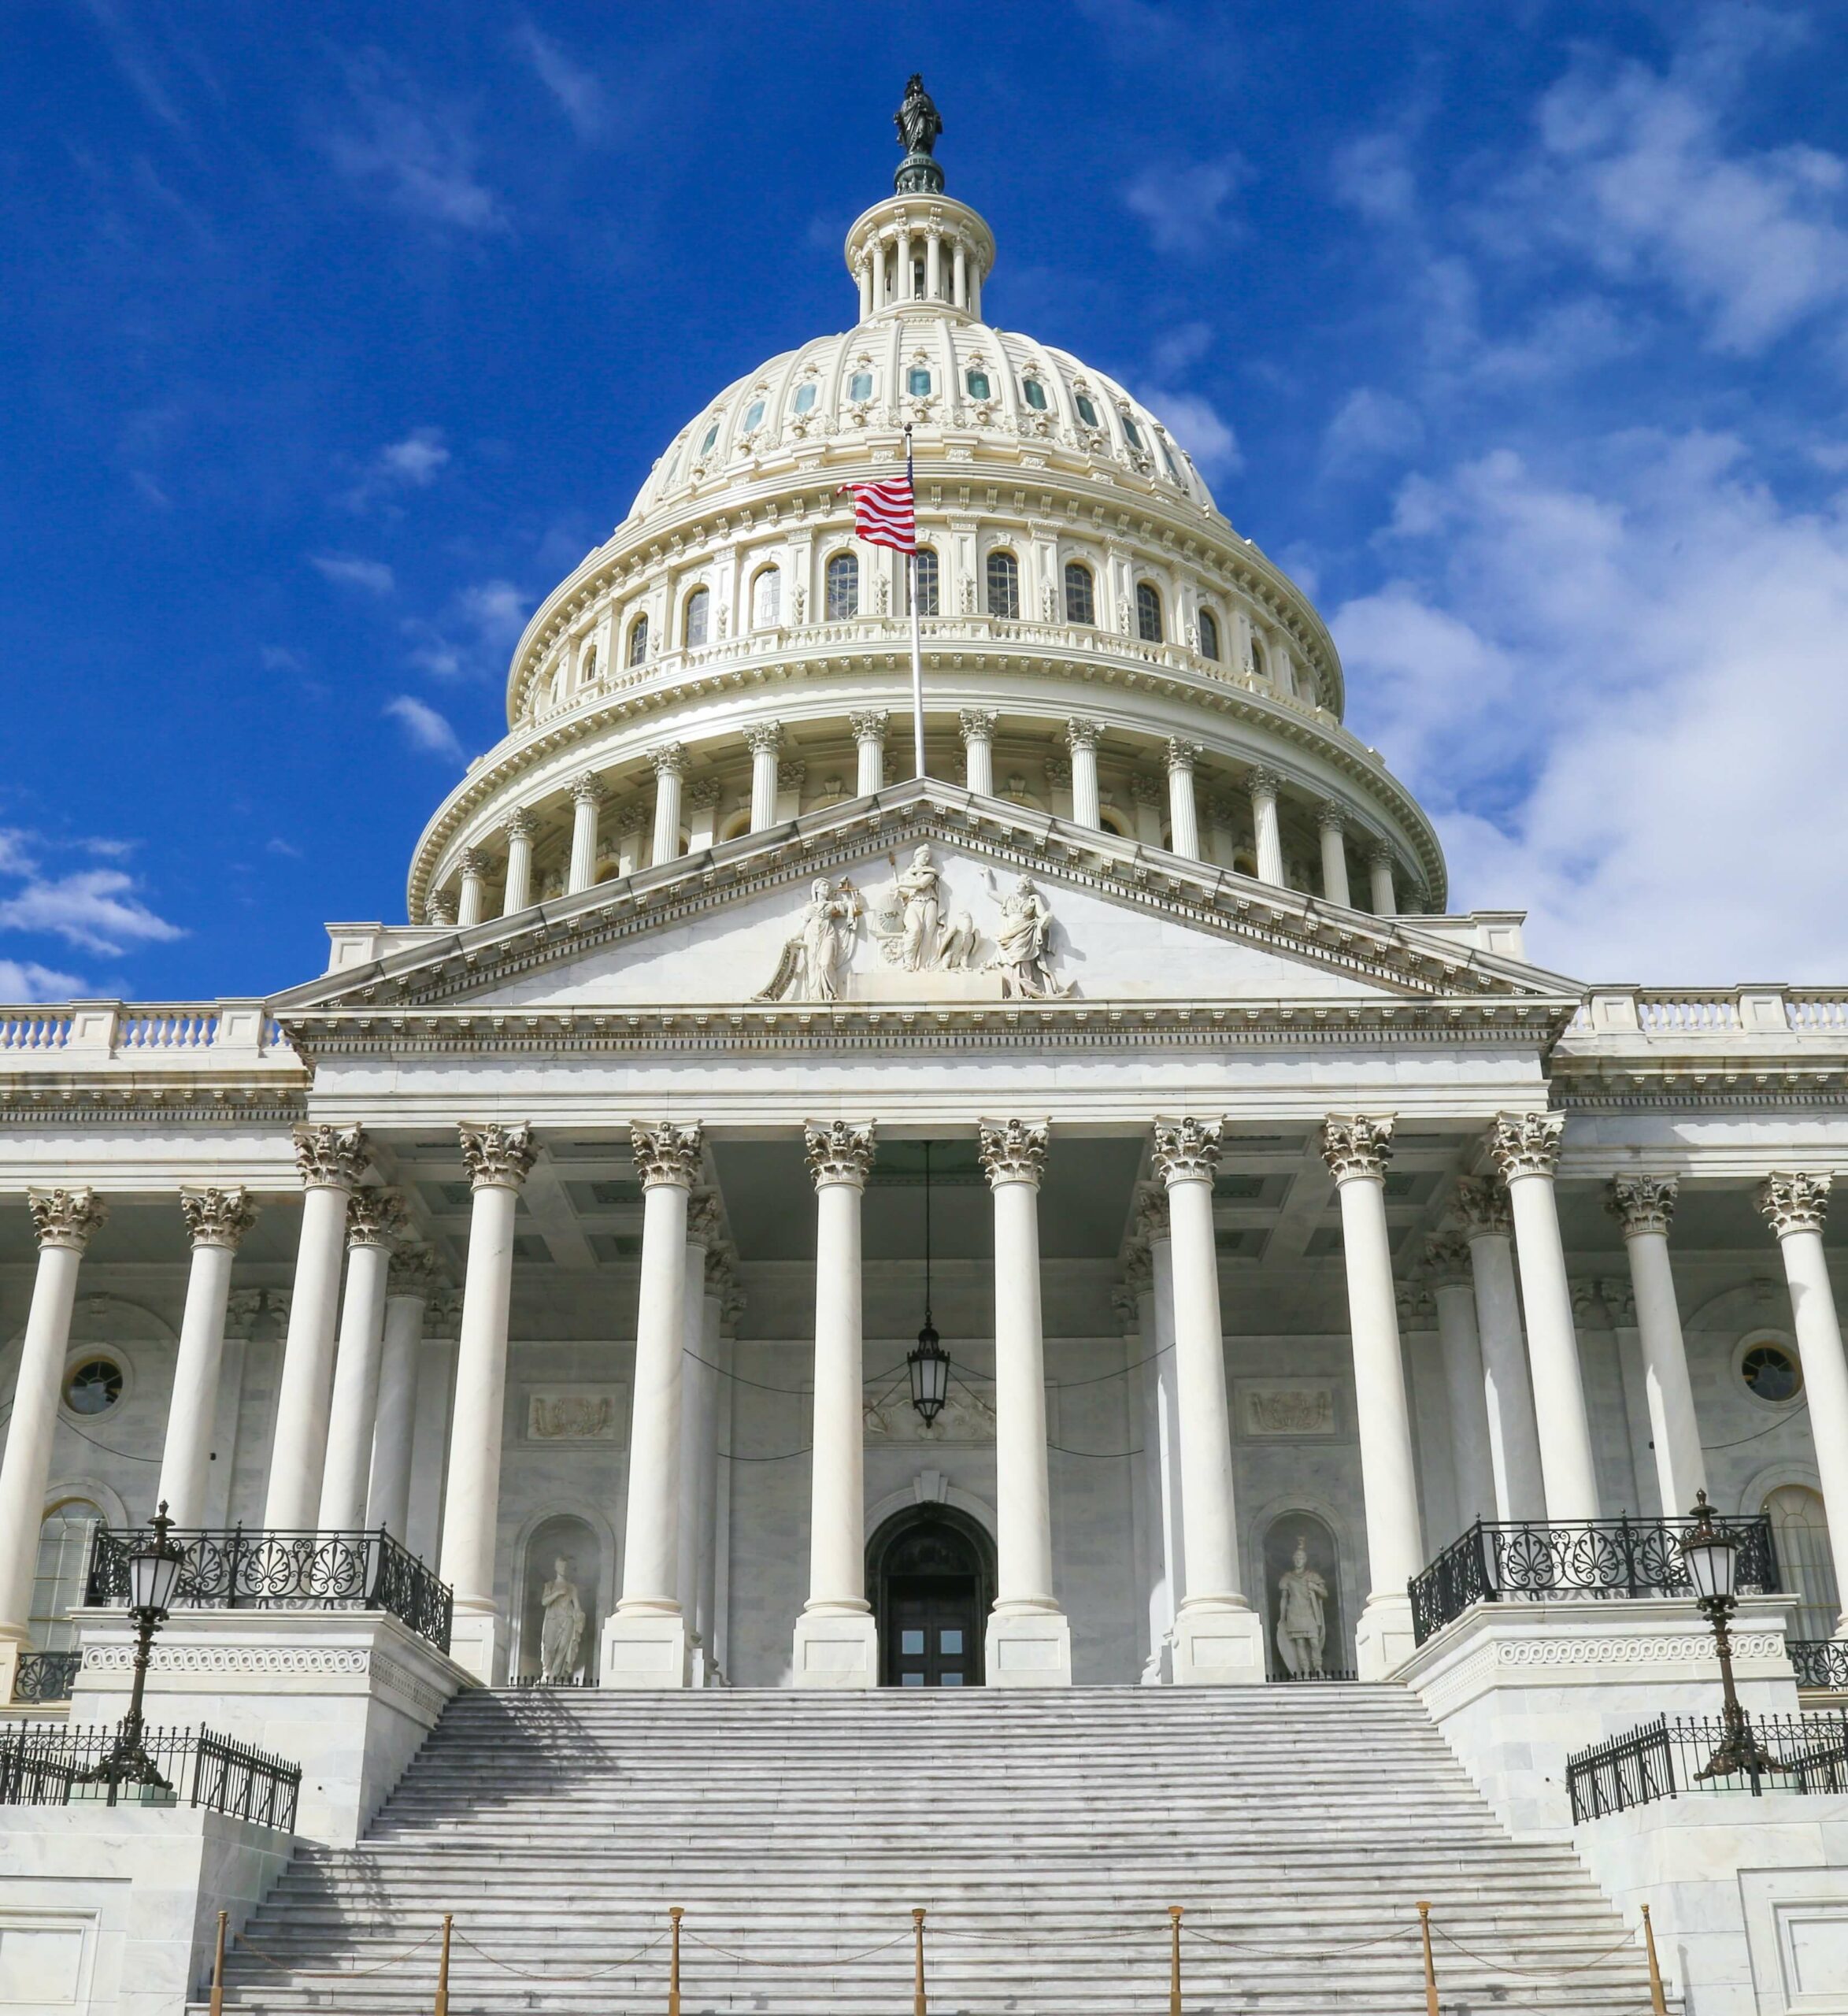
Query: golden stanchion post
<point x="917" y="1977"/>
<point x="218" y="1968"/>
<point x="442" y="1968"/>
<point x="675" y="1913"/>
<point x="1430" y="2007"/>
<point x="1657" y="2001"/>
<point x="1174" y="1911"/>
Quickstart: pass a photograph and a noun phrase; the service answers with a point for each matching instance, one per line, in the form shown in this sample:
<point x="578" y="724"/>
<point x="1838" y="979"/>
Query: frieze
<point x="558" y="1415"/>
<point x="329" y="1662"/>
<point x="1281" y="1410"/>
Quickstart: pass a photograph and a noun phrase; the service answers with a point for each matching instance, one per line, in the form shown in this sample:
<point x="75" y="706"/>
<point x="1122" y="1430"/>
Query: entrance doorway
<point x="931" y="1571"/>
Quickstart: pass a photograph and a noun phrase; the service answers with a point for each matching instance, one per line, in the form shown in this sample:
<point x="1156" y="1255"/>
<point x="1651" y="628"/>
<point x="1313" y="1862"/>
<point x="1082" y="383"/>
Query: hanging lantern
<point x="929" y="1364"/>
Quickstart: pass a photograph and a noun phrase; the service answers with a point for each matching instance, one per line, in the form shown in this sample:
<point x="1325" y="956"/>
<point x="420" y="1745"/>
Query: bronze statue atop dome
<point x="919" y="124"/>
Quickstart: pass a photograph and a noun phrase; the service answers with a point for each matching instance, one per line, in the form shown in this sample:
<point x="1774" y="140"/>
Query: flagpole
<point x="916" y="648"/>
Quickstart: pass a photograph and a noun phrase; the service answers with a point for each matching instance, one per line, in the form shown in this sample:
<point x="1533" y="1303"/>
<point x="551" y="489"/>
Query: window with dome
<point x="710" y="437"/>
<point x="1087" y="412"/>
<point x="1004" y="585"/>
<point x="843" y="588"/>
<point x="693" y="627"/>
<point x="1148" y="613"/>
<point x="804" y="398"/>
<point x="1208" y="635"/>
<point x="1081" y="602"/>
<point x="766" y="598"/>
<point x="859" y="385"/>
<point x="977" y="382"/>
<point x="928" y="580"/>
<point x="1131" y="433"/>
<point x="1168" y="457"/>
<point x="753" y="416"/>
<point x="639" y="641"/>
<point x="1035" y="392"/>
<point x="917" y="382"/>
<point x="1256" y="658"/>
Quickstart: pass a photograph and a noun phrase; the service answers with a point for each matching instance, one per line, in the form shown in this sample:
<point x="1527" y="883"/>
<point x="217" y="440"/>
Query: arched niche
<point x="564" y="1536"/>
<point x="1277" y="1551"/>
<point x="930" y="1575"/>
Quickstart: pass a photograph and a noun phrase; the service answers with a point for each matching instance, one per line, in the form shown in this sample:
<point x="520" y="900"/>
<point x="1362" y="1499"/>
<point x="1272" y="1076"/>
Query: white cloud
<point x="1184" y="205"/>
<point x="96" y="908"/>
<point x="1200" y="428"/>
<point x="498" y="611"/>
<point x="424" y="727"/>
<point x="1373" y="175"/>
<point x="22" y="980"/>
<point x="411" y="155"/>
<point x="1371" y="426"/>
<point x="416" y="461"/>
<point x="350" y="572"/>
<point x="581" y="96"/>
<point x="1621" y="695"/>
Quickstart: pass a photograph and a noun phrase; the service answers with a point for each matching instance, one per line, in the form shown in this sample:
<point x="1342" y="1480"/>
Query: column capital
<point x="1152" y="1221"/>
<point x="1013" y="1151"/>
<point x="764" y="738"/>
<point x="1183" y="754"/>
<point x="1081" y="732"/>
<point x="331" y="1158"/>
<point x="1482" y="1203"/>
<point x="1357" y="1146"/>
<point x="67" y="1219"/>
<point x="706" y="1220"/>
<point x="1381" y="854"/>
<point x="1138" y="1271"/>
<point x="1641" y="1203"/>
<point x="520" y="825"/>
<point x="412" y="1271"/>
<point x="869" y="724"/>
<point x="589" y="789"/>
<point x="1146" y="790"/>
<point x="217" y="1218"/>
<point x="1186" y="1151"/>
<point x="1447" y="1258"/>
<point x="839" y="1152"/>
<point x="1058" y="770"/>
<point x="705" y="794"/>
<point x="1526" y="1143"/>
<point x="474" y="861"/>
<point x="374" y="1217"/>
<point x="670" y="760"/>
<point x="1264" y="782"/>
<point x="977" y="724"/>
<point x="667" y="1153"/>
<point x="497" y="1156"/>
<point x="1794" y="1200"/>
<point x="439" y="909"/>
<point x="1331" y="817"/>
<point x="790" y="773"/>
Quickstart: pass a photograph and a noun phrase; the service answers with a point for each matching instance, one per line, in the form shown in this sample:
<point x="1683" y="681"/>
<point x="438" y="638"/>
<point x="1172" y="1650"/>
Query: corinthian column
<point x="836" y="1642"/>
<point x="869" y="746"/>
<point x="1082" y="737"/>
<point x="1526" y="1148"/>
<point x="521" y="826"/>
<point x="1183" y="811"/>
<point x="697" y="1395"/>
<point x="1218" y="1637"/>
<point x="670" y="771"/>
<point x="408" y="1283"/>
<point x="764" y="740"/>
<point x="64" y="1221"/>
<point x="645" y="1638"/>
<point x="474" y="865"/>
<point x="1332" y="822"/>
<point x="1357" y="1147"/>
<point x="1029" y="1643"/>
<point x="497" y="1158"/>
<point x="372" y="1223"/>
<point x="1266" y="785"/>
<point x="977" y="725"/>
<point x="586" y="800"/>
<point x="1644" y="1206"/>
<point x="1452" y="1294"/>
<point x="1386" y="902"/>
<point x="331" y="1160"/>
<point x="1793" y="1205"/>
<point x="1508" y="1391"/>
<point x="217" y="1220"/>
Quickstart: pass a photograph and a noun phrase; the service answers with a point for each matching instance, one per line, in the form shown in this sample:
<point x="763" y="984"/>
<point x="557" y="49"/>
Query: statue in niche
<point x="1302" y="1615"/>
<point x="561" y="1636"/>
<point x="813" y="962"/>
<point x="1021" y="953"/>
<point x="910" y="927"/>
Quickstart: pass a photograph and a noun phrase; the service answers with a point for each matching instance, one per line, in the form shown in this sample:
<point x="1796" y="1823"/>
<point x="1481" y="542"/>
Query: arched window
<point x="766" y="599"/>
<point x="587" y="671"/>
<point x="1256" y="658"/>
<point x="1148" y="613"/>
<point x="1802" y="1534"/>
<point x="639" y="641"/>
<point x="1081" y="605"/>
<point x="1035" y="390"/>
<point x="928" y="580"/>
<point x="1004" y="584"/>
<point x="843" y="588"/>
<point x="693" y="628"/>
<point x="1208" y="635"/>
<point x="58" y="1575"/>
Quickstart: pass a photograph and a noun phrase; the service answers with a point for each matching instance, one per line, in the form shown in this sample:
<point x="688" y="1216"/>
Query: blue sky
<point x="333" y="336"/>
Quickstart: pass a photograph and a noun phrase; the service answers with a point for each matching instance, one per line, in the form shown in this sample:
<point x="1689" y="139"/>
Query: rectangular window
<point x="917" y="382"/>
<point x="927" y="583"/>
<point x="950" y="1643"/>
<point x="1036" y="393"/>
<point x="911" y="1680"/>
<point x="911" y="1645"/>
<point x="950" y="1679"/>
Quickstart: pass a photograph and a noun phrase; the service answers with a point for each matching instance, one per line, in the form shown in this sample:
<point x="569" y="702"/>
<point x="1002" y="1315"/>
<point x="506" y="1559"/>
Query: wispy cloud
<point x="100" y="910"/>
<point x="580" y="92"/>
<point x="348" y="570"/>
<point x="1369" y="427"/>
<point x="401" y="149"/>
<point x="413" y="463"/>
<point x="1185" y="205"/>
<point x="23" y="980"/>
<point x="130" y="56"/>
<point x="424" y="728"/>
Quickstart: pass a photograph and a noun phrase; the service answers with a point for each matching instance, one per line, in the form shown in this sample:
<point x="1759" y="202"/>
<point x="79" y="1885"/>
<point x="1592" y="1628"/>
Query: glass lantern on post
<point x="1711" y="1554"/>
<point x="154" y="1564"/>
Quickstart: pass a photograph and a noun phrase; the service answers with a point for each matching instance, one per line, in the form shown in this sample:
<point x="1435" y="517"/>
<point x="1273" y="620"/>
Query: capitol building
<point x="1093" y="1220"/>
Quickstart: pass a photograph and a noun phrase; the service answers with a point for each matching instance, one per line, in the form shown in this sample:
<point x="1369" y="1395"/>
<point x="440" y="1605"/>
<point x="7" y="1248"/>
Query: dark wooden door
<point x="930" y="1608"/>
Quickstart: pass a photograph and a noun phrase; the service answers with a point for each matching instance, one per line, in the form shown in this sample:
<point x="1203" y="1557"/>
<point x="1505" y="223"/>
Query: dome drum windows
<point x="1080" y="594"/>
<point x="1131" y="433"/>
<point x="1148" y="613"/>
<point x="1209" y="647"/>
<point x="1033" y="391"/>
<point x="753" y="417"/>
<point x="843" y="588"/>
<point x="696" y="622"/>
<point x="709" y="440"/>
<point x="929" y="582"/>
<point x="805" y="398"/>
<point x="917" y="381"/>
<point x="1003" y="582"/>
<point x="1087" y="412"/>
<point x="978" y="385"/>
<point x="859" y="385"/>
<point x="638" y="640"/>
<point x="766" y="598"/>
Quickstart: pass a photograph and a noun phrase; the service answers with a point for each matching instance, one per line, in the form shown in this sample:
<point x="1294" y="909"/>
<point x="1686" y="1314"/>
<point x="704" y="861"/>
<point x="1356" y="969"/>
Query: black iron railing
<point x="50" y="1764"/>
<point x="45" y="1676"/>
<point x="304" y="1570"/>
<point x="1530" y="1560"/>
<point x="1666" y="1757"/>
<point x="1283" y="1675"/>
<point x="1820" y="1662"/>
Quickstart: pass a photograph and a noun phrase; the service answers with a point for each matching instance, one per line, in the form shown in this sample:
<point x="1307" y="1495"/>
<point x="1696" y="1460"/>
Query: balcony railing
<point x="1821" y="1663"/>
<point x="48" y="1764"/>
<point x="73" y="1036"/>
<point x="1532" y="1560"/>
<point x="45" y="1676"/>
<point x="1665" y="1758"/>
<point x="303" y="1570"/>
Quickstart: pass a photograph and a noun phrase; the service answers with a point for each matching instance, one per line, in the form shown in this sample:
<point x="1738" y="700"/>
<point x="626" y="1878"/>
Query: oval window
<point x="753" y="416"/>
<point x="978" y="384"/>
<point x="859" y="385"/>
<point x="712" y="435"/>
<point x="1035" y="394"/>
<point x="94" y="1387"/>
<point x="1771" y="1373"/>
<point x="804" y="399"/>
<point x="917" y="382"/>
<point x="1087" y="412"/>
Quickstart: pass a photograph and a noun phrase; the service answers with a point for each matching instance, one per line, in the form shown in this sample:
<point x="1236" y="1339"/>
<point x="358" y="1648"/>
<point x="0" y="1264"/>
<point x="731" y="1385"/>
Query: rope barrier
<point x="1537" y="1973"/>
<point x="1297" y="1952"/>
<point x="527" y="1973"/>
<point x="821" y="1966"/>
<point x="331" y="1974"/>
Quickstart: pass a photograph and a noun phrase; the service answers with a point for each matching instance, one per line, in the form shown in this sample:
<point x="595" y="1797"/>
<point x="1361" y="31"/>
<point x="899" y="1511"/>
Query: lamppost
<point x="1711" y="1558"/>
<point x="929" y="1363"/>
<point x="154" y="1563"/>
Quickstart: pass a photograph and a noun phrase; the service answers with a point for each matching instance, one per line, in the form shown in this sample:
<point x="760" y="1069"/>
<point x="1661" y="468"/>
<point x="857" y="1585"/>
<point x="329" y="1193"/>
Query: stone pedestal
<point x="1383" y="1637"/>
<point x="1217" y="1644"/>
<point x="350" y="1695"/>
<point x="478" y="1644"/>
<point x="642" y="1650"/>
<point x="1028" y="1648"/>
<point x="833" y="1651"/>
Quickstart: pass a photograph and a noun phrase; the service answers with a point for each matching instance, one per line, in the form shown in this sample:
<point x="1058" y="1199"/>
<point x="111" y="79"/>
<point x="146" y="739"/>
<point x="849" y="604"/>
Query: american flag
<point x="886" y="513"/>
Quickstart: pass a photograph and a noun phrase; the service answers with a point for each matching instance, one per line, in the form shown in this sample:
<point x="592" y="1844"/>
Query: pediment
<point x="926" y="895"/>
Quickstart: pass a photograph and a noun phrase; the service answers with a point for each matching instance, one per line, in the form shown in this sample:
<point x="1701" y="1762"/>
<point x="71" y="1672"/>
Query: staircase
<point x="1047" y="1834"/>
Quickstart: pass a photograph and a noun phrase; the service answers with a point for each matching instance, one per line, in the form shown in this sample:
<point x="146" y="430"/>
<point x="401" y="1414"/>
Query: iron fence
<point x="1499" y="1561"/>
<point x="1820" y="1662"/>
<point x="54" y="1764"/>
<point x="45" y="1676"/>
<point x="288" y="1570"/>
<point x="1669" y="1756"/>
